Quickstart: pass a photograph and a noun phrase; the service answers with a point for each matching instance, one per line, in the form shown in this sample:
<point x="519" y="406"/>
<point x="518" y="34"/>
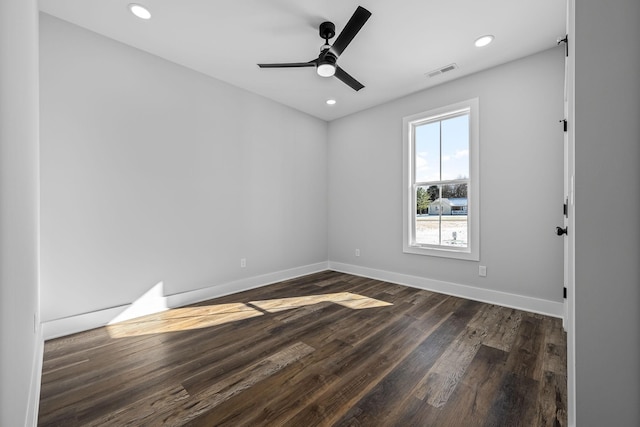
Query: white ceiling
<point x="403" y="40"/>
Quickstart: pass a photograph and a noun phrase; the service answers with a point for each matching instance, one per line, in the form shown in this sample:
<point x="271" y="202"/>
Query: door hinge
<point x="564" y="124"/>
<point x="565" y="40"/>
<point x="565" y="207"/>
<point x="564" y="292"/>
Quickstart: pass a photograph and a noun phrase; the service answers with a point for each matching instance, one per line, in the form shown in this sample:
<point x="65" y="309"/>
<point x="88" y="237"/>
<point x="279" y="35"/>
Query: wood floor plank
<point x="255" y="349"/>
<point x="552" y="407"/>
<point x="110" y="384"/>
<point x="144" y="411"/>
<point x="471" y="400"/>
<point x="376" y="358"/>
<point x="294" y="400"/>
<point x="505" y="321"/>
<point x="354" y="326"/>
<point x="443" y="377"/>
<point x="555" y="345"/>
<point x="515" y="402"/>
<point x="389" y="397"/>
<point x="101" y="389"/>
<point x="354" y="372"/>
<point x="324" y="349"/>
<point x="217" y="393"/>
<point x="526" y="355"/>
<point x="281" y="394"/>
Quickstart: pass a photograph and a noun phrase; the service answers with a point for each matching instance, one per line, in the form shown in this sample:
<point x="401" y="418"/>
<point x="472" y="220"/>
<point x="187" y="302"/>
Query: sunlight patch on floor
<point x="188" y="318"/>
<point x="182" y="319"/>
<point x="346" y="299"/>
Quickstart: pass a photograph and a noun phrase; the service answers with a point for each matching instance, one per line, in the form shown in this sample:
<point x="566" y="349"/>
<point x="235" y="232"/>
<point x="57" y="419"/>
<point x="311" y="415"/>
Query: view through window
<point x="442" y="181"/>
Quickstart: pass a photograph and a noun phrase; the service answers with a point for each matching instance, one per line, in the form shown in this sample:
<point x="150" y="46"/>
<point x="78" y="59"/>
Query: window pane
<point x="442" y="220"/>
<point x="454" y="229"/>
<point x="455" y="148"/>
<point x="427" y="148"/>
<point x="427" y="215"/>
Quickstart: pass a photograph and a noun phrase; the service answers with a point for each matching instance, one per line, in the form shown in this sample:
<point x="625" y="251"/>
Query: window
<point x="440" y="167"/>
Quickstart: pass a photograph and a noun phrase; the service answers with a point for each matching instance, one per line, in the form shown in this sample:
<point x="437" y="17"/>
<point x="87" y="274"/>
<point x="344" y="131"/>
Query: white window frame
<point x="409" y="123"/>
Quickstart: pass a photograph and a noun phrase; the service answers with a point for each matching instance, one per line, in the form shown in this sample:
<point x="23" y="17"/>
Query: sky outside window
<point x="454" y="150"/>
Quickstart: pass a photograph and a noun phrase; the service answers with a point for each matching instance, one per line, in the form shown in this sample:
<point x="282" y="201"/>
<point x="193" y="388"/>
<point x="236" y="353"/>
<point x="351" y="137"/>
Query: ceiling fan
<point x="325" y="63"/>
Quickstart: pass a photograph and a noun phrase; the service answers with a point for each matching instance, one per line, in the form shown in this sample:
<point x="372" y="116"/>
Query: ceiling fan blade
<point x="359" y="17"/>
<point x="344" y="77"/>
<point x="290" y="64"/>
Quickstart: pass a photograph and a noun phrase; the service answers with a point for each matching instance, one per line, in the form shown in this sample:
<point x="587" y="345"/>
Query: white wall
<point x="607" y="158"/>
<point x="20" y="339"/>
<point x="520" y="181"/>
<point x="155" y="173"/>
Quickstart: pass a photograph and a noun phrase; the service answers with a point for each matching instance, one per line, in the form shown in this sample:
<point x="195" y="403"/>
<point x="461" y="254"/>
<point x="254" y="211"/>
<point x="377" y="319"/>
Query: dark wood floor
<point x="325" y="349"/>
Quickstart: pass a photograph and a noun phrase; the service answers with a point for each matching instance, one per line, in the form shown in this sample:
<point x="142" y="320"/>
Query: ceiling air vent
<point x="442" y="70"/>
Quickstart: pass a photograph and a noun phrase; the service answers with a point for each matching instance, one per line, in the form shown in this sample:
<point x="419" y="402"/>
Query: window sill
<point x="467" y="255"/>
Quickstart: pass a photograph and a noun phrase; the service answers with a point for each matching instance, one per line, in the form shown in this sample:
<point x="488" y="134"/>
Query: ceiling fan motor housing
<point x="327" y="30"/>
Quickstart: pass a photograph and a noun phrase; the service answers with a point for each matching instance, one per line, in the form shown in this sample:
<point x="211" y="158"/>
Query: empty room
<point x="319" y="213"/>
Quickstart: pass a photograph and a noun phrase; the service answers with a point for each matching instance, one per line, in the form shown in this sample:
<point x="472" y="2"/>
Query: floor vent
<point x="442" y="70"/>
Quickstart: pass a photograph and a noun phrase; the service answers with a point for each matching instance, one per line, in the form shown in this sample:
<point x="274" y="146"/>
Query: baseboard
<point x="95" y="319"/>
<point x="80" y="322"/>
<point x="535" y="305"/>
<point x="33" y="405"/>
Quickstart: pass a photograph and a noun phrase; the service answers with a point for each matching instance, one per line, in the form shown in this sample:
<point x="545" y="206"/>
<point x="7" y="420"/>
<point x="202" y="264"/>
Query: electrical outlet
<point x="243" y="262"/>
<point x="357" y="252"/>
<point x="482" y="271"/>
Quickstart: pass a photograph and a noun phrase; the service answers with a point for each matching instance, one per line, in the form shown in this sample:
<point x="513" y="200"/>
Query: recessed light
<point x="140" y="11"/>
<point x="331" y="102"/>
<point x="484" y="40"/>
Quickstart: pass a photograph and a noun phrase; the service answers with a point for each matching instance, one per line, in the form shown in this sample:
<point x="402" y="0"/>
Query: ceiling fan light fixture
<point x="140" y="11"/>
<point x="326" y="70"/>
<point x="484" y="40"/>
<point x="327" y="64"/>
